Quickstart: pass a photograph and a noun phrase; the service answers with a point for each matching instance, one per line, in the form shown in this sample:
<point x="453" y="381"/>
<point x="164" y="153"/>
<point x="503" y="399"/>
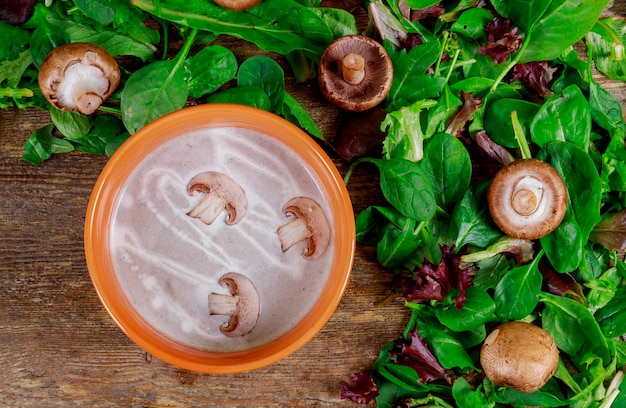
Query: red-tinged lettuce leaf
<point x="494" y="156"/>
<point x="536" y="75"/>
<point x="362" y="390"/>
<point x="414" y="353"/>
<point x="435" y="282"/>
<point x="16" y="12"/>
<point x="610" y="232"/>
<point x="560" y="284"/>
<point x="464" y="114"/>
<point x="502" y="41"/>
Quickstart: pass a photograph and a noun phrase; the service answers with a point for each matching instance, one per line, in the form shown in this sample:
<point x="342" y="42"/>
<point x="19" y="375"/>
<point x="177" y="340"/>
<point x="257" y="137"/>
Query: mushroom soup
<point x="177" y="232"/>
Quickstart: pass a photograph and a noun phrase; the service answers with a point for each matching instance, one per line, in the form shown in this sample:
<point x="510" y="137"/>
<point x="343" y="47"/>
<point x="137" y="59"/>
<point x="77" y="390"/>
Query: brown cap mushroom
<point x="309" y="223"/>
<point x="527" y="199"/>
<point x="78" y="77"/>
<point x="237" y="5"/>
<point x="242" y="305"/>
<point x="519" y="355"/>
<point x="221" y="193"/>
<point x="355" y="73"/>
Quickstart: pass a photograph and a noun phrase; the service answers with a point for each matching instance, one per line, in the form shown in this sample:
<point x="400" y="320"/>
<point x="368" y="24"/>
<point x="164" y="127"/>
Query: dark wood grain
<point x="60" y="348"/>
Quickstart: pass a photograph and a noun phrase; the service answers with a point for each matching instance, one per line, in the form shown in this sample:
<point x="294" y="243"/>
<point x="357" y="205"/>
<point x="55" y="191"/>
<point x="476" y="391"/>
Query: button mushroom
<point x="237" y="5"/>
<point x="242" y="305"/>
<point x="355" y="73"/>
<point x="309" y="223"/>
<point x="78" y="77"/>
<point x="527" y="199"/>
<point x="519" y="355"/>
<point x="221" y="193"/>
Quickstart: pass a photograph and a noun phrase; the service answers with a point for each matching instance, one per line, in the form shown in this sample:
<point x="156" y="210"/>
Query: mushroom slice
<point x="527" y="199"/>
<point x="355" y="73"/>
<point x="309" y="223"/>
<point x="78" y="77"/>
<point x="242" y="305"/>
<point x="519" y="355"/>
<point x="221" y="193"/>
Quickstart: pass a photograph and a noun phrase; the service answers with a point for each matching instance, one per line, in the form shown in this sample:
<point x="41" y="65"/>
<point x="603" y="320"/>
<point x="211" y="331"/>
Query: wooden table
<point x="58" y="345"/>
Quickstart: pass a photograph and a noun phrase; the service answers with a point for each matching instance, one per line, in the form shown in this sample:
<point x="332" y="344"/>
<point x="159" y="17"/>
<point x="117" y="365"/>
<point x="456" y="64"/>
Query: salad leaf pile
<point x="478" y="85"/>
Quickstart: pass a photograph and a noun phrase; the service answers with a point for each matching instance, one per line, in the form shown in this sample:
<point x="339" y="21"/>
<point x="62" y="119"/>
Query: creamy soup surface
<point x="168" y="263"/>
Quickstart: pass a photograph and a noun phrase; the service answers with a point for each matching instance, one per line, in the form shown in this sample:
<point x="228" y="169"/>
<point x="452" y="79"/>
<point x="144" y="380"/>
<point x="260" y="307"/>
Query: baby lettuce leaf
<point x="398" y="242"/>
<point x="478" y="309"/>
<point x="497" y="119"/>
<point x="525" y="13"/>
<point x="407" y="188"/>
<point x="42" y="144"/>
<point x="151" y="92"/>
<point x="471" y="216"/>
<point x="607" y="46"/>
<point x="563" y="316"/>
<point x="405" y="137"/>
<point x="243" y="95"/>
<point x="447" y="162"/>
<point x="566" y="117"/>
<point x="280" y="26"/>
<point x="294" y="112"/>
<point x="563" y="23"/>
<point x="73" y="125"/>
<point x="411" y="82"/>
<point x="581" y="180"/>
<point x="217" y="60"/>
<point x="517" y="293"/>
<point x="564" y="245"/>
<point x="265" y="73"/>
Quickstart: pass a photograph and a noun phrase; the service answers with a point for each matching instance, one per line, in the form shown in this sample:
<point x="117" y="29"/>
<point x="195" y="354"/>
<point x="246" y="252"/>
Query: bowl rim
<point x="101" y="209"/>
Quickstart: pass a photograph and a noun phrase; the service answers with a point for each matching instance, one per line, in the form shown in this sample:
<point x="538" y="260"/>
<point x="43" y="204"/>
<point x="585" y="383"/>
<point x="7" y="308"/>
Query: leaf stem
<point x="513" y="63"/>
<point x="446" y="34"/>
<point x="453" y="65"/>
<point x="108" y="109"/>
<point x="520" y="137"/>
<point x="348" y="175"/>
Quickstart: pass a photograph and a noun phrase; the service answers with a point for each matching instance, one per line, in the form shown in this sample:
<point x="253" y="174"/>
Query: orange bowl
<point x="153" y="265"/>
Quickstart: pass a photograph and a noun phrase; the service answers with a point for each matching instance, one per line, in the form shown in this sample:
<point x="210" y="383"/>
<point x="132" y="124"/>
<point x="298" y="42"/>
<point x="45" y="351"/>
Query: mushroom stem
<point x="221" y="304"/>
<point x="293" y="232"/>
<point x="88" y="103"/>
<point x="208" y="208"/>
<point x="527" y="196"/>
<point x="353" y="68"/>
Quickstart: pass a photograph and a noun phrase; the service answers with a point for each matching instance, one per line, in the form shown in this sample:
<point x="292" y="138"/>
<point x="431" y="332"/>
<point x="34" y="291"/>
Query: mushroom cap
<point x="519" y="355"/>
<point x="377" y="78"/>
<point x="214" y="182"/>
<point x="248" y="305"/>
<point x="309" y="210"/>
<point x="78" y="77"/>
<point x="527" y="199"/>
<point x="237" y="5"/>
